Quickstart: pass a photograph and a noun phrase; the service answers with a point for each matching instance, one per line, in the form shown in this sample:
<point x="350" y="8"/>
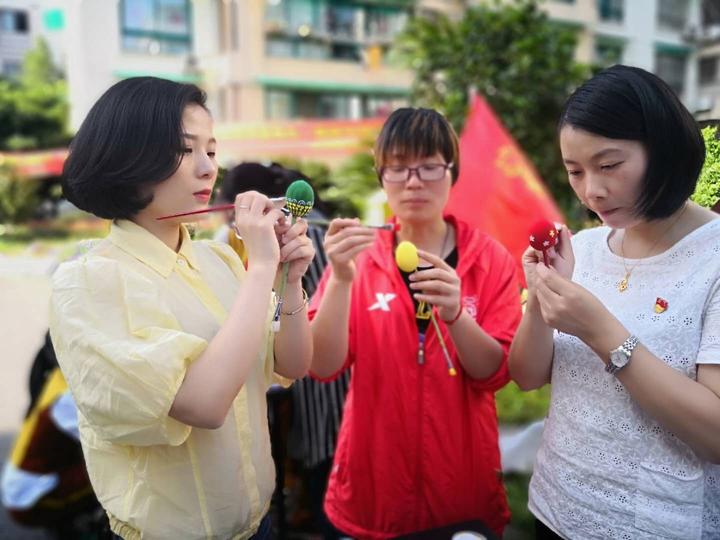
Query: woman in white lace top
<point x="625" y="324"/>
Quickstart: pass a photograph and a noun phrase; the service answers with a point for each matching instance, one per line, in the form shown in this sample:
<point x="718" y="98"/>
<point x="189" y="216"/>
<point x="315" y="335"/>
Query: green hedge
<point x="707" y="192"/>
<point x="517" y="407"/>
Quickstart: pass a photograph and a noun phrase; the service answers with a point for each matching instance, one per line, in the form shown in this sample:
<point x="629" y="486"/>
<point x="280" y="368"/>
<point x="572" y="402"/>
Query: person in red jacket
<point x="418" y="448"/>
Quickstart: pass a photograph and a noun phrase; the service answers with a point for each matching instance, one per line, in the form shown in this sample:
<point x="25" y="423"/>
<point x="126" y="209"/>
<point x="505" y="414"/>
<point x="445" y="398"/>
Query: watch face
<point x="619" y="358"/>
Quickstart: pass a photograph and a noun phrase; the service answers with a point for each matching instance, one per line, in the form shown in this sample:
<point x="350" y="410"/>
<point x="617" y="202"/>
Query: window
<point x="340" y="21"/>
<point x="329" y="106"/>
<point x="611" y="10"/>
<point x="278" y="105"/>
<point x="156" y="26"/>
<point x="281" y="104"/>
<point x="12" y="20"/>
<point x="708" y="70"/>
<point x="608" y="51"/>
<point x="671" y="68"/>
<point x="710" y="13"/>
<point x="310" y="48"/>
<point x="378" y="106"/>
<point x="384" y="23"/>
<point x="290" y="15"/>
<point x="328" y="29"/>
<point x="345" y="51"/>
<point x="672" y="14"/>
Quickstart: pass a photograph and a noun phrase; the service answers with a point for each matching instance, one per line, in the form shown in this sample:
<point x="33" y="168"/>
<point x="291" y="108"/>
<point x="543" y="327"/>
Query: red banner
<point x="499" y="191"/>
<point x="38" y="164"/>
<point x="305" y="139"/>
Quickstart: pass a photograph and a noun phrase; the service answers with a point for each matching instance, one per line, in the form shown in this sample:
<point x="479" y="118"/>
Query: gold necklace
<point x="624" y="283"/>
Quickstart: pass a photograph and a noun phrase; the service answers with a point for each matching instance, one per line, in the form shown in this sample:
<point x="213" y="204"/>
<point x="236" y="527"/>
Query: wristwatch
<point x="620" y="357"/>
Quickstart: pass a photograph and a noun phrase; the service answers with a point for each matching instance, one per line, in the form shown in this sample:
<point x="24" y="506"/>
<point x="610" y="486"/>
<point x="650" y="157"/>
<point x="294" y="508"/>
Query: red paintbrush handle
<point x="219" y="208"/>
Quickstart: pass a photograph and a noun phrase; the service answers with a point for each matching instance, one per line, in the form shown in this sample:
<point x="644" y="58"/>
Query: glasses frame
<point x="410" y="170"/>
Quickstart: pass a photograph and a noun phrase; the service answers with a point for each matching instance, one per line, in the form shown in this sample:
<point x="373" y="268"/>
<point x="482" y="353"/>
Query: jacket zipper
<point x="421" y="403"/>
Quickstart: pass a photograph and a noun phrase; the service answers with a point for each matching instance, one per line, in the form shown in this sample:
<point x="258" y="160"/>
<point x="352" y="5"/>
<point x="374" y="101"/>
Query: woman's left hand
<point x="296" y="248"/>
<point x="439" y="286"/>
<point x="567" y="306"/>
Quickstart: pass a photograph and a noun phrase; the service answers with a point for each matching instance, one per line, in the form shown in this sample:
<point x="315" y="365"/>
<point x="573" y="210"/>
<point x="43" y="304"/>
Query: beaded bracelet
<point x="300" y="308"/>
<point x="454" y="319"/>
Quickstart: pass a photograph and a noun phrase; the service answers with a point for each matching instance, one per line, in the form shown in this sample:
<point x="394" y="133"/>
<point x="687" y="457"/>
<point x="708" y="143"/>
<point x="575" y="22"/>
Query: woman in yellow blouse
<point x="166" y="343"/>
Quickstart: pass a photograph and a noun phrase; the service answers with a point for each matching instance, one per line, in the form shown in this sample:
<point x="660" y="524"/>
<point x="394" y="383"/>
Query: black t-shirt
<point x="422" y="312"/>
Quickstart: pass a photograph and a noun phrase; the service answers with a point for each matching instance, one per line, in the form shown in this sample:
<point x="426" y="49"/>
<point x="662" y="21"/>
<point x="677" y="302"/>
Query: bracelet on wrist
<point x="300" y="307"/>
<point x="455" y="318"/>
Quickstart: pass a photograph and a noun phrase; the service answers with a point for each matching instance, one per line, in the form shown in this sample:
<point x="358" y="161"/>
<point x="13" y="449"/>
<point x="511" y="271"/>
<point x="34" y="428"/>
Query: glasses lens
<point x="395" y="174"/>
<point x="431" y="173"/>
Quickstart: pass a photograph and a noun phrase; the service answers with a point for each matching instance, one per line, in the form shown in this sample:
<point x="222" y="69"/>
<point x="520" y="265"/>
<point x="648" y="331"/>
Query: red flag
<point x="499" y="191"/>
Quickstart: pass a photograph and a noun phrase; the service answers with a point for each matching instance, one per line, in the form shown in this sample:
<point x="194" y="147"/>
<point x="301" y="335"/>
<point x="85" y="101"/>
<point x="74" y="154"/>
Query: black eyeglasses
<point x="430" y="172"/>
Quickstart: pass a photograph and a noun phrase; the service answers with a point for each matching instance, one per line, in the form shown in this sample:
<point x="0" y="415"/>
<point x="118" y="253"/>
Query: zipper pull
<point x="421" y="348"/>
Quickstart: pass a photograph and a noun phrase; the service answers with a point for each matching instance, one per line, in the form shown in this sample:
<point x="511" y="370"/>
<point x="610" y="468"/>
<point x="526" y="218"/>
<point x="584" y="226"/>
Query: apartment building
<point x="21" y="23"/>
<point x="708" y="40"/>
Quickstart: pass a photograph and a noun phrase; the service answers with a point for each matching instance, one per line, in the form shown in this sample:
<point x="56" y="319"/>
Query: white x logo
<point x="383" y="301"/>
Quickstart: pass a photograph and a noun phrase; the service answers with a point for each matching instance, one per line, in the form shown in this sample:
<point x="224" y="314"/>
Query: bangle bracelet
<point x="455" y="318"/>
<point x="300" y="307"/>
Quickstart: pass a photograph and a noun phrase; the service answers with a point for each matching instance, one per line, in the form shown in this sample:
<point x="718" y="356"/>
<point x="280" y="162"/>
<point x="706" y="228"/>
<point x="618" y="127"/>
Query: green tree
<point x="344" y="191"/>
<point x="707" y="192"/>
<point x="34" y="108"/>
<point x="18" y="197"/>
<point x="353" y="182"/>
<point x="515" y="57"/>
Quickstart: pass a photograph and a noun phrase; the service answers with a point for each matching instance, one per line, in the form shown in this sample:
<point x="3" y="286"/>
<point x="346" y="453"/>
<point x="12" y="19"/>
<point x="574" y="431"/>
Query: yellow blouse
<point x="126" y="320"/>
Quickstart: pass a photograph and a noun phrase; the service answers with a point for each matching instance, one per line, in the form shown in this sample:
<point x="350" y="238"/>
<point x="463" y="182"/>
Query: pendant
<point x="623" y="284"/>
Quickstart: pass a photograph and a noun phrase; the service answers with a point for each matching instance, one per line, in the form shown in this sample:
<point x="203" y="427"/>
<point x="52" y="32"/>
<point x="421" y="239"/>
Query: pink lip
<point x="415" y="201"/>
<point x="203" y="194"/>
<point x="607" y="213"/>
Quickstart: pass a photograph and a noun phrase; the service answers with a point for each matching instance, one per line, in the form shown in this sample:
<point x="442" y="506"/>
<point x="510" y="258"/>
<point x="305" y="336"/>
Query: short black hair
<point x="131" y="138"/>
<point x="623" y="102"/>
<point x="270" y="180"/>
<point x="417" y="133"/>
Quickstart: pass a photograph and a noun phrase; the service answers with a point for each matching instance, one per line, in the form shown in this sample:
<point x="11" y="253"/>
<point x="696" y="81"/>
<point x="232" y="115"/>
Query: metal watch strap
<point x="628" y="346"/>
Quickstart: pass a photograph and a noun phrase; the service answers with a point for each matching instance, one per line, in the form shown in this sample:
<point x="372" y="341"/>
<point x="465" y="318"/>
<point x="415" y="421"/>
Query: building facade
<point x="655" y="35"/>
<point x="21" y="23"/>
<point x="708" y="40"/>
<point x="284" y="60"/>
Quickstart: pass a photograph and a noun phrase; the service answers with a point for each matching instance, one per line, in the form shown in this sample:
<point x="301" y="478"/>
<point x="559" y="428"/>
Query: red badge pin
<point x="660" y="305"/>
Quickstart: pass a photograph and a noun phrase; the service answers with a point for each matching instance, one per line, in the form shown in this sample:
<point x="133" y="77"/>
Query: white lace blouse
<point x="605" y="469"/>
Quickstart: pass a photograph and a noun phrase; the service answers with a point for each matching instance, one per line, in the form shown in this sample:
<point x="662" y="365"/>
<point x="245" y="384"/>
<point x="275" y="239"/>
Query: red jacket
<point x="418" y="449"/>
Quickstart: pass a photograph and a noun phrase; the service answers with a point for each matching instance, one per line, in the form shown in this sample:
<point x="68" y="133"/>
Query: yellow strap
<point x="54" y="387"/>
<point x="238" y="245"/>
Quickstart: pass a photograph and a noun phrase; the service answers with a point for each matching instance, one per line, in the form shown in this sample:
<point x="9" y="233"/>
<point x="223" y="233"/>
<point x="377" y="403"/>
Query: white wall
<point x="96" y="59"/>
